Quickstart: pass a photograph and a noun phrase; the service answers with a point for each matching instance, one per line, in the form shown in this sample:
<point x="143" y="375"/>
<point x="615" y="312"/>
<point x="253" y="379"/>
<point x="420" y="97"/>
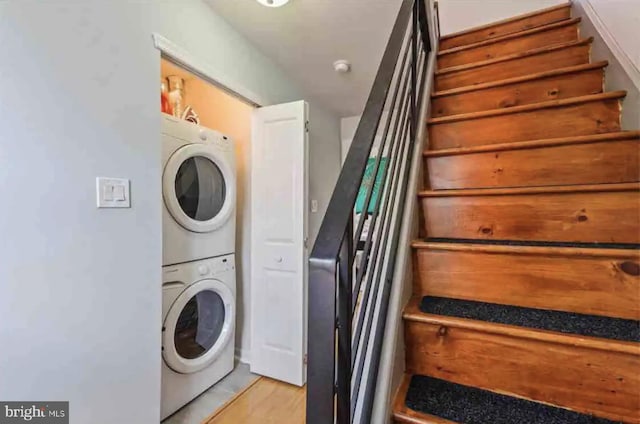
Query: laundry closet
<point x="235" y="238"/>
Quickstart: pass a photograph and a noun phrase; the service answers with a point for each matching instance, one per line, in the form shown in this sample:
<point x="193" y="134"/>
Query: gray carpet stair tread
<point x="470" y="405"/>
<point x="563" y="322"/>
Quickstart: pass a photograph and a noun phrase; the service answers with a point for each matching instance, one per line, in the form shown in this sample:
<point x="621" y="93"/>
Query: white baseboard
<point x="623" y="58"/>
<point x="243" y="355"/>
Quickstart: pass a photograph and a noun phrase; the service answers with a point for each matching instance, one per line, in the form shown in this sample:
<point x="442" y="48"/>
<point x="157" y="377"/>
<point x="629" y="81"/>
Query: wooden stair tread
<point x="529" y="107"/>
<point x="409" y="416"/>
<point x="514" y="56"/>
<point x="525" y="78"/>
<point x="504" y="21"/>
<point x="510" y="36"/>
<point x="534" y="144"/>
<point x="532" y="190"/>
<point x="528" y="248"/>
<point x="413" y="313"/>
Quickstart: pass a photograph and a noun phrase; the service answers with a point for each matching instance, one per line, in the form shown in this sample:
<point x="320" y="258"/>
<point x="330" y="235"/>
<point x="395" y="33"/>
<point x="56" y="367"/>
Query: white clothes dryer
<point x="198" y="310"/>
<point x="199" y="190"/>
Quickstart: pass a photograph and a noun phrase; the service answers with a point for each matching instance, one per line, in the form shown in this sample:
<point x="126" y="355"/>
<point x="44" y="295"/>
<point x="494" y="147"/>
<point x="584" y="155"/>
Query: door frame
<point x="182" y="57"/>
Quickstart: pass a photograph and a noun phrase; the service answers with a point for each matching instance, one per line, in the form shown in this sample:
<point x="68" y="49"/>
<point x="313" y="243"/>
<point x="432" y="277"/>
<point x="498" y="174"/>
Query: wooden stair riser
<point x="590" y="81"/>
<point x="594" y="163"/>
<point x="585" y="281"/>
<point x="592" y="117"/>
<point x="605" y="217"/>
<point x="505" y="28"/>
<point x="500" y="70"/>
<point x="549" y="37"/>
<point x="587" y="380"/>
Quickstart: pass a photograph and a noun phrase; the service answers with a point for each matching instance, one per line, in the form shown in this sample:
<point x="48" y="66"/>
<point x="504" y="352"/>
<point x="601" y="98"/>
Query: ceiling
<point x="305" y="37"/>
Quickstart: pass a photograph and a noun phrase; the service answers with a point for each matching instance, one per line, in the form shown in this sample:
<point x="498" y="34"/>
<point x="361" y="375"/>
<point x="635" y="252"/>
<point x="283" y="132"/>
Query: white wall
<point x="80" y="287"/>
<point x="348" y="127"/>
<point x="458" y="15"/>
<point x="80" y="298"/>
<point x="612" y="24"/>
<point x="324" y="163"/>
<point x="622" y="20"/>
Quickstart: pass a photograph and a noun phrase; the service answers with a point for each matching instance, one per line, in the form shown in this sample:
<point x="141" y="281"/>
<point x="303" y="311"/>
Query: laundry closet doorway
<point x="271" y="146"/>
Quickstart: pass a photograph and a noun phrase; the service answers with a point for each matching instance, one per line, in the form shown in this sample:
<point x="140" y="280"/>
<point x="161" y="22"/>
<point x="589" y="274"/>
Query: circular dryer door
<point x="198" y="188"/>
<point x="198" y="326"/>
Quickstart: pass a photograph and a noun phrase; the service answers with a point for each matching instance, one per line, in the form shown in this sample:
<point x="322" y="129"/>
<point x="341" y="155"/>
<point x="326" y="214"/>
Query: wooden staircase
<point x="526" y="304"/>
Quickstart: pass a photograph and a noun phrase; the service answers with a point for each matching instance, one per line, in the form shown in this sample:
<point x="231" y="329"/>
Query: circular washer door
<point x="198" y="326"/>
<point x="199" y="188"/>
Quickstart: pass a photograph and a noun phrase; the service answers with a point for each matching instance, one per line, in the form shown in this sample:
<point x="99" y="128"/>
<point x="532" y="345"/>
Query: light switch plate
<point x="314" y="205"/>
<point x="113" y="192"/>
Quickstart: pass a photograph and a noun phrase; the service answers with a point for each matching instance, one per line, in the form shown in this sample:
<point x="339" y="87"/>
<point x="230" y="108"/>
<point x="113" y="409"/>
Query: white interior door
<point x="279" y="204"/>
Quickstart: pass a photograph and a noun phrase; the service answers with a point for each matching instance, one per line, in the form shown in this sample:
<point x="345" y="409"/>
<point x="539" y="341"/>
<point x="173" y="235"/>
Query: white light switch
<point x="112" y="192"/>
<point x="314" y="206"/>
<point x="107" y="192"/>
<point x="118" y="193"/>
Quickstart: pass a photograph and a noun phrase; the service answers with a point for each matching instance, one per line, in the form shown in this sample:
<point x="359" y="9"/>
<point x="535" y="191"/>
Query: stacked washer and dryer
<point x="199" y="279"/>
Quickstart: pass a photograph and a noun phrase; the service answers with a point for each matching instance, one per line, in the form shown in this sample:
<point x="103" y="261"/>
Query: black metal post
<point x="321" y="343"/>
<point x="345" y="287"/>
<point x="423" y="24"/>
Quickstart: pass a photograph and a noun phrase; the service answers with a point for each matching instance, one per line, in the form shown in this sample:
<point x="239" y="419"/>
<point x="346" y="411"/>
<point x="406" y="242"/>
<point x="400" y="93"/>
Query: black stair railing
<point x="353" y="260"/>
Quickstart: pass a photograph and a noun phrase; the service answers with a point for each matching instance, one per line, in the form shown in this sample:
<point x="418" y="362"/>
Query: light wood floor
<point x="265" y="401"/>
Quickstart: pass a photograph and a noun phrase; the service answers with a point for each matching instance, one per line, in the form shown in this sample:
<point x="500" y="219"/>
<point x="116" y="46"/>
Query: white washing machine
<point x="198" y="310"/>
<point x="199" y="190"/>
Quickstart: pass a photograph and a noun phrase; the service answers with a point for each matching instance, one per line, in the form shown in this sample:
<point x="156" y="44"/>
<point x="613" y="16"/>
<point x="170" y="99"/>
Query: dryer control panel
<point x="224" y="143"/>
<point x="221" y="141"/>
